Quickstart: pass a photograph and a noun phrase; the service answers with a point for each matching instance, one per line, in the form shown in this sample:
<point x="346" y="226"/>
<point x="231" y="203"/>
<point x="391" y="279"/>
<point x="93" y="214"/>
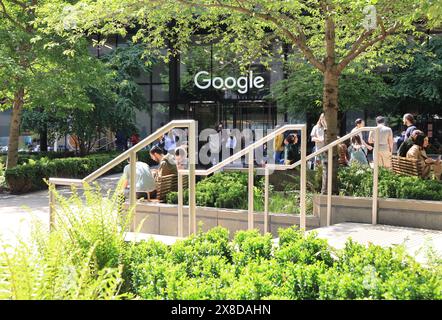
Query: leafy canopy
<point x="250" y="28"/>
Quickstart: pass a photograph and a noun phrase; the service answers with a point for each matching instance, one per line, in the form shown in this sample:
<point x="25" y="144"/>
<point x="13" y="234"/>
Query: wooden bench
<point x="406" y="166"/>
<point x="168" y="184"/>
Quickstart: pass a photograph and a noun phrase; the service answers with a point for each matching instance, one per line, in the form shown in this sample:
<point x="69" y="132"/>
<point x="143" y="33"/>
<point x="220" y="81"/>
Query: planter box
<point x="163" y="219"/>
<point x="396" y="212"/>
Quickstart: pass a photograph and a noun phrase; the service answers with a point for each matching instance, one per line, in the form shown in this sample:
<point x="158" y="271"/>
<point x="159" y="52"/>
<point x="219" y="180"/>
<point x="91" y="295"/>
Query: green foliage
<point x="79" y="259"/>
<point x="208" y="266"/>
<point x="234" y="194"/>
<point x="114" y="103"/>
<point x="30" y="174"/>
<point x="358" y="181"/>
<point x="420" y="82"/>
<point x="302" y="91"/>
<point x="85" y="257"/>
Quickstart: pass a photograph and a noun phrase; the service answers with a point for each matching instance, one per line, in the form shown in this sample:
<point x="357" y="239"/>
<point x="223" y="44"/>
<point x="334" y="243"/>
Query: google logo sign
<point x="243" y="83"/>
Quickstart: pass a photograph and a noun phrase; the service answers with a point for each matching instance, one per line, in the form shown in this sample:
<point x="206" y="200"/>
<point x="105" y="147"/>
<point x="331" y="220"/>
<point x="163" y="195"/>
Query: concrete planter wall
<point x="163" y="218"/>
<point x="396" y="212"/>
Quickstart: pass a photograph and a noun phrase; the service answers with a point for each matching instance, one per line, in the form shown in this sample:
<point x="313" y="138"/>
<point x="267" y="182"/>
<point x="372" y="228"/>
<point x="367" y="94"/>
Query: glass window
<point x="160" y="115"/>
<point x="146" y="91"/>
<point x="160" y="92"/>
<point x="160" y="72"/>
<point x="144" y="77"/>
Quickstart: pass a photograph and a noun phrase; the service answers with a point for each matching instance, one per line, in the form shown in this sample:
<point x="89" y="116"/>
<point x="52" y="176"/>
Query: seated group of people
<point x="147" y="178"/>
<point x="413" y="147"/>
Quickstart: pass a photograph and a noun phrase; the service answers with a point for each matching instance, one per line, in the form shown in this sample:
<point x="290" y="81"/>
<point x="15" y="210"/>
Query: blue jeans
<point x="278" y="158"/>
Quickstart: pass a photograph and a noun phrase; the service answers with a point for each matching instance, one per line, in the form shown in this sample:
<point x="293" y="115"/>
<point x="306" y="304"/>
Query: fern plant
<point x="79" y="259"/>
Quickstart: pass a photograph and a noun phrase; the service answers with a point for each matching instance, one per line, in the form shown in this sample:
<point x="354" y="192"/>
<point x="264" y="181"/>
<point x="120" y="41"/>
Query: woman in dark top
<point x="291" y="149"/>
<point x="407" y="144"/>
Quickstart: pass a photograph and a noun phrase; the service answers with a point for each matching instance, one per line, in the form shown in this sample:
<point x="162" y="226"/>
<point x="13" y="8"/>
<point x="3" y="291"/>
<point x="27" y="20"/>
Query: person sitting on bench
<point x="417" y="151"/>
<point x="167" y="163"/>
<point x="407" y="144"/>
<point x="145" y="182"/>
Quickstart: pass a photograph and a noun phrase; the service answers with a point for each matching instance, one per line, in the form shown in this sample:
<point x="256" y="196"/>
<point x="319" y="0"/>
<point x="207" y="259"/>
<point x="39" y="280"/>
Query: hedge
<point x="209" y="266"/>
<point x="358" y="181"/>
<point x="30" y="175"/>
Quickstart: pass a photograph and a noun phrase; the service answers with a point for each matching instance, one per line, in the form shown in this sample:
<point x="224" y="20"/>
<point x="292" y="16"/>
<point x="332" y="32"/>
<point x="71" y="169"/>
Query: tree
<point x="39" y="68"/>
<point x="302" y="90"/>
<point x="114" y="104"/>
<point x="420" y="83"/>
<point x="330" y="34"/>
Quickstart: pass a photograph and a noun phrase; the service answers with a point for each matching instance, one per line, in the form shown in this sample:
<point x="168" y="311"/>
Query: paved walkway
<point x="18" y="211"/>
<point x="415" y="240"/>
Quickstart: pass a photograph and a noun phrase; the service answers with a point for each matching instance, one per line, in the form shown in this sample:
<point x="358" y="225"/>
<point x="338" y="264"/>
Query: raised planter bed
<point x="162" y="219"/>
<point x="397" y="212"/>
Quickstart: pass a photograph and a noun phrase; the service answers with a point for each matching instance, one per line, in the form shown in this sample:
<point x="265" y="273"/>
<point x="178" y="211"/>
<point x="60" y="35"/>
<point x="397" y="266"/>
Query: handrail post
<point x="374" y="214"/>
<point x="329" y="184"/>
<point x="132" y="187"/>
<point x="266" y="200"/>
<point x="51" y="206"/>
<point x="192" y="189"/>
<point x="180" y="205"/>
<point x="303" y="179"/>
<point x="250" y="189"/>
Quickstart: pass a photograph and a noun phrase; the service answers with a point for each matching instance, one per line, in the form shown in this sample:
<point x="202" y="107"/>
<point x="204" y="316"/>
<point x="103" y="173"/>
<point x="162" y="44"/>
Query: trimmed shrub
<point x="30" y="176"/>
<point x="207" y="266"/>
<point x="358" y="181"/>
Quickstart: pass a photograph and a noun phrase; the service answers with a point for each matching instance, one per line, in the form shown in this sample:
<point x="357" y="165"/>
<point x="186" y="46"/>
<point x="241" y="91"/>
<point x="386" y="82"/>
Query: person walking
<point x="318" y="136"/>
<point x="385" y="142"/>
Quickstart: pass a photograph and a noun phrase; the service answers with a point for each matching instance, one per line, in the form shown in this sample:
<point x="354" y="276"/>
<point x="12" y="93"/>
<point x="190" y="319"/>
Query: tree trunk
<point x="14" y="129"/>
<point x="330" y="107"/>
<point x="44" y="139"/>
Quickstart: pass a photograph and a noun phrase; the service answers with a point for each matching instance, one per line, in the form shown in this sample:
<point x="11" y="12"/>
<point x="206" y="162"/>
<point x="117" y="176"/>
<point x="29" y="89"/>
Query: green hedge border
<point x="30" y="176"/>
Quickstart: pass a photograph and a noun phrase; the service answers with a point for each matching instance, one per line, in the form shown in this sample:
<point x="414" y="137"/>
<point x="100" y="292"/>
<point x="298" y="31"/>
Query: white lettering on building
<point x="242" y="83"/>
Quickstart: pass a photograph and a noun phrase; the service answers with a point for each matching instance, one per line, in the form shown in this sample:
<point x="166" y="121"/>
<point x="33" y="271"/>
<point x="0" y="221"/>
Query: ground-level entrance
<point x="247" y="114"/>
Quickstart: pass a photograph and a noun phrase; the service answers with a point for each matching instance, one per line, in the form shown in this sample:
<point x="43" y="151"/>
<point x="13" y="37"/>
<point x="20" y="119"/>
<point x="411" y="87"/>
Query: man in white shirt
<point x="385" y="142"/>
<point x="145" y="182"/>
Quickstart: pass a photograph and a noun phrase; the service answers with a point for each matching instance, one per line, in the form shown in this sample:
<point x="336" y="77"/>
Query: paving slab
<point x="18" y="211"/>
<point x="416" y="241"/>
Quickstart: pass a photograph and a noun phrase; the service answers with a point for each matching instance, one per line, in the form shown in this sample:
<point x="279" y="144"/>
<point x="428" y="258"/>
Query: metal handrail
<point x="329" y="173"/>
<point x="131" y="153"/>
<point x="248" y="150"/>
<point x="103" y="146"/>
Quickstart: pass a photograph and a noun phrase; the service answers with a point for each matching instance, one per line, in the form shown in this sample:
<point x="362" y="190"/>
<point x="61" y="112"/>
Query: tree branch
<point x="11" y="19"/>
<point x="299" y="41"/>
<point x="19" y="3"/>
<point x="353" y="54"/>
